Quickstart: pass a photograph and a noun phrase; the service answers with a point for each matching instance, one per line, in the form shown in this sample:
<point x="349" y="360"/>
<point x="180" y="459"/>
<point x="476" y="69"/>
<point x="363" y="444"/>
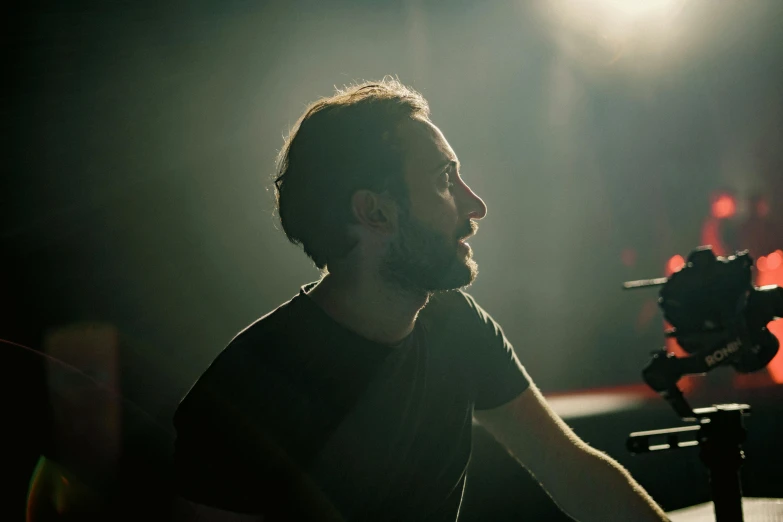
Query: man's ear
<point x="376" y="213"/>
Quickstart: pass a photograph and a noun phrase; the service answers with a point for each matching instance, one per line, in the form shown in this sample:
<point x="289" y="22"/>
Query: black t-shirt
<point x="382" y="432"/>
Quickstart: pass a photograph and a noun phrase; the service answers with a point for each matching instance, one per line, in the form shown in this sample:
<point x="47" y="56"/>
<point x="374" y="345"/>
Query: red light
<point x="675" y="264"/>
<point x="710" y="235"/>
<point x="762" y="208"/>
<point x="724" y="206"/>
<point x="774" y="260"/>
<point x="628" y="257"/>
<point x="770" y="273"/>
<point x="687" y="383"/>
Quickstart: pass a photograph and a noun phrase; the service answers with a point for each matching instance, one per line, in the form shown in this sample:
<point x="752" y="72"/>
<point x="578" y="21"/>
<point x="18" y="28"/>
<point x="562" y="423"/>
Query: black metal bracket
<point x="719" y="434"/>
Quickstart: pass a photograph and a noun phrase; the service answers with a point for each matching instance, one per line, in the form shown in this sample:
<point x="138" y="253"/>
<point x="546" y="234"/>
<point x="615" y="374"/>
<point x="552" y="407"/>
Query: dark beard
<point x="422" y="260"/>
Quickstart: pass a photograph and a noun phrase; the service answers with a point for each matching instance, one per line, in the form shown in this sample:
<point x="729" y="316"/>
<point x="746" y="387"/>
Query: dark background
<point x="139" y="140"/>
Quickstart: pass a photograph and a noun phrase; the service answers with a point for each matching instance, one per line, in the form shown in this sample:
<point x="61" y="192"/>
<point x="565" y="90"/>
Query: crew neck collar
<point x="303" y="296"/>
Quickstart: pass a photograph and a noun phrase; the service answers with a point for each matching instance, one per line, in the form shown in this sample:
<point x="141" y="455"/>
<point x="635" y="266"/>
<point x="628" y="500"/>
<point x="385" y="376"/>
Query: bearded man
<point x="355" y="399"/>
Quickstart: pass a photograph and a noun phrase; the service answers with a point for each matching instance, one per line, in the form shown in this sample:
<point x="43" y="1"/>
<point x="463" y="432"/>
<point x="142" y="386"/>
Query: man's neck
<point x="368" y="306"/>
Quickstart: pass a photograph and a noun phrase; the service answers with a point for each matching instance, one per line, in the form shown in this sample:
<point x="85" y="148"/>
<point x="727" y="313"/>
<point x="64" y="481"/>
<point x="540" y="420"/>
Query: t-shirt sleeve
<point x="497" y="374"/>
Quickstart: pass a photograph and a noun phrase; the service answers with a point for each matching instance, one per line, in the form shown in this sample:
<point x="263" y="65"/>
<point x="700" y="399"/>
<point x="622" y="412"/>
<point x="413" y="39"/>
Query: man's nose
<point x="472" y="204"/>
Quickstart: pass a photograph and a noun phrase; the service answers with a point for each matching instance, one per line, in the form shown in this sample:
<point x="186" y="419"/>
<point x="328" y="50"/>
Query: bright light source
<point x="633" y="9"/>
<point x="774" y="260"/>
<point x="617" y="27"/>
<point x="724" y="206"/>
<point x="675" y="264"/>
<point x="771" y="274"/>
<point x="614" y="13"/>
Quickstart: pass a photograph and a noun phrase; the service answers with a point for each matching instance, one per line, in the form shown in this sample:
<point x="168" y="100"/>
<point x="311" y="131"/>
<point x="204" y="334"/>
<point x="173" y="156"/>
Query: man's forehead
<point x="426" y="147"/>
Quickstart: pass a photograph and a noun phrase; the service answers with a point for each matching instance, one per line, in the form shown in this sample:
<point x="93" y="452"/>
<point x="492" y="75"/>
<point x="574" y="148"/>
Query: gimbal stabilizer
<point x="719" y="318"/>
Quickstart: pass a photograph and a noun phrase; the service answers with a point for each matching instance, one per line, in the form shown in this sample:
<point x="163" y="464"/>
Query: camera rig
<point x="719" y="318"/>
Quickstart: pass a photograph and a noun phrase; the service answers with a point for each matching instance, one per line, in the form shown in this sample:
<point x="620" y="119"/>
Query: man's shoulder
<point x="255" y="353"/>
<point x="274" y="340"/>
<point x="275" y="323"/>
<point x="458" y="313"/>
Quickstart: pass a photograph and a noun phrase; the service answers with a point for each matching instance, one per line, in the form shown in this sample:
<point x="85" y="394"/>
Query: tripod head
<point x="718" y="317"/>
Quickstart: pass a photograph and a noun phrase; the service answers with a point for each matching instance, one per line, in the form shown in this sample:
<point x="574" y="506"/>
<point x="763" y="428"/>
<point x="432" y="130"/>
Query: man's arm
<point x="586" y="483"/>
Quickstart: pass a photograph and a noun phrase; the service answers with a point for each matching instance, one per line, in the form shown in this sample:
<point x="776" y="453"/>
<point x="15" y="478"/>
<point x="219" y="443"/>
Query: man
<point x="355" y="399"/>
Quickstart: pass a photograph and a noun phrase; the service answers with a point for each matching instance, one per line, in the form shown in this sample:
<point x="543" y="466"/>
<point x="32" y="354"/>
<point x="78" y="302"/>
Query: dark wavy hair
<point x="341" y="144"/>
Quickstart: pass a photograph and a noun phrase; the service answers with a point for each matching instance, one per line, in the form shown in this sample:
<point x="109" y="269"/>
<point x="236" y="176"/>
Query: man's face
<point x="429" y="253"/>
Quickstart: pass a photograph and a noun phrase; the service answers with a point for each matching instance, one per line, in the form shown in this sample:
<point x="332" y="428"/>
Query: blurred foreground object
<point x="97" y="456"/>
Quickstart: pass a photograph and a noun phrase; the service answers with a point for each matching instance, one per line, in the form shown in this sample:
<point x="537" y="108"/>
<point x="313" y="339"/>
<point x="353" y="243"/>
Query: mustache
<point x="469" y="229"/>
